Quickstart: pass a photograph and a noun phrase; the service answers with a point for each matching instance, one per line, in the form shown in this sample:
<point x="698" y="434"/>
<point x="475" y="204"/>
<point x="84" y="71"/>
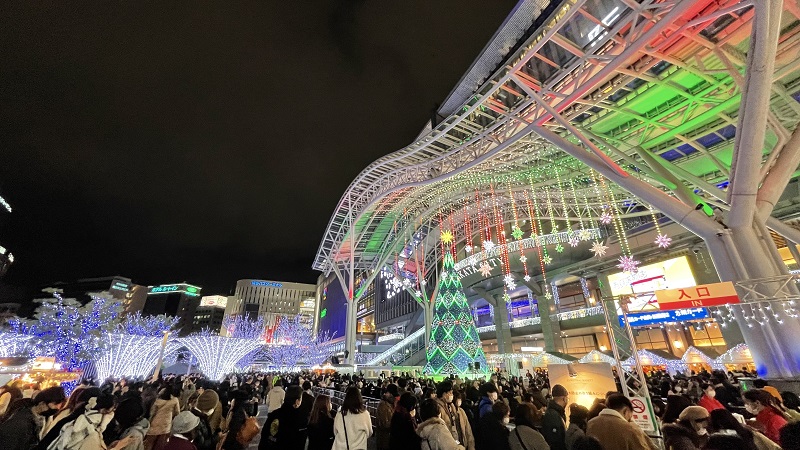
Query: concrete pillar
<point x="502" y="328"/>
<point x="551" y="329"/>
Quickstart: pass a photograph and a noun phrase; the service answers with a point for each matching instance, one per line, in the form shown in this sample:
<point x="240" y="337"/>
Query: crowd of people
<point x="706" y="411"/>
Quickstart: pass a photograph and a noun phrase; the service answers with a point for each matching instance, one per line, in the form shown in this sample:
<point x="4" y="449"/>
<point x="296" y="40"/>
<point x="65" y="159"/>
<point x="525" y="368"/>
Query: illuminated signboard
<point x="266" y="283"/>
<point x="323" y="313"/>
<point x="659" y="317"/>
<point x="120" y="286"/>
<point x="670" y="274"/>
<point x="219" y="301"/>
<point x="187" y="289"/>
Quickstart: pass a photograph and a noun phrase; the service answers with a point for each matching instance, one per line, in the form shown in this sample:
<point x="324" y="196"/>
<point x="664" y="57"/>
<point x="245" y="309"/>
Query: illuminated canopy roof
<point x="651" y="87"/>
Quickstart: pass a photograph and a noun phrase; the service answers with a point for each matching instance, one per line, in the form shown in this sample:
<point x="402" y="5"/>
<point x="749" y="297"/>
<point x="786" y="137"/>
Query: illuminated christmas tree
<point x="454" y="345"/>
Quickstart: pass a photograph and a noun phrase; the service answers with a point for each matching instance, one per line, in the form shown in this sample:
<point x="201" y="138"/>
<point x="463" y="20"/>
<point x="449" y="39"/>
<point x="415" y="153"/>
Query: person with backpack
<point x="353" y="426"/>
<point x="285" y="428"/>
<point x="164" y="409"/>
<point x="129" y="422"/>
<point x="86" y="432"/>
<point x="240" y="427"/>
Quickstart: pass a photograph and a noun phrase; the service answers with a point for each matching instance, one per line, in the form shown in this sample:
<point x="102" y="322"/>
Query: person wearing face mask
<point x="454" y="417"/>
<point x="20" y="431"/>
<point x="433" y="432"/>
<point x="708" y="401"/>
<point x="204" y="407"/>
<point x="285" y="427"/>
<point x="613" y="427"/>
<point x="690" y="432"/>
<point x="554" y="427"/>
<point x="493" y="433"/>
<point x="488" y="397"/>
<point x="769" y="418"/>
<point x="129" y="423"/>
<point x="86" y="432"/>
<point x="184" y="430"/>
<point x="403" y="427"/>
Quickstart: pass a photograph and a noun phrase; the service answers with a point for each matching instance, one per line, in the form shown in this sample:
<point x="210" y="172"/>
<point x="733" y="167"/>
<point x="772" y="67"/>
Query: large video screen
<point x="332" y="314"/>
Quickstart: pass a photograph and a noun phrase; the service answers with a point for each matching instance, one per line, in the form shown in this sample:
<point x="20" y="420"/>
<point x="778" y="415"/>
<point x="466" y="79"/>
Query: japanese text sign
<point x="697" y="296"/>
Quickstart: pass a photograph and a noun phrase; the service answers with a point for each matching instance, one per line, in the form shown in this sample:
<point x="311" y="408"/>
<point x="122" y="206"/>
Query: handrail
<point x="396" y="347"/>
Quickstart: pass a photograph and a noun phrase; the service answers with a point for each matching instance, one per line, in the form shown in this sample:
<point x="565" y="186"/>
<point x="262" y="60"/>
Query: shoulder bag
<point x="524" y="447"/>
<point x="346" y="440"/>
<point x="248" y="431"/>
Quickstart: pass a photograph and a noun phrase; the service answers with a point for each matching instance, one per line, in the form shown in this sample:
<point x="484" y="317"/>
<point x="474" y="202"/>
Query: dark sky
<point x="208" y="142"/>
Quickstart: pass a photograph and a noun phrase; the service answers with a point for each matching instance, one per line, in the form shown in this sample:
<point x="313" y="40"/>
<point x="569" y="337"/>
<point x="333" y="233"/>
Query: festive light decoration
<point x="13" y="344"/>
<point x="605" y="218"/>
<point x="628" y="264"/>
<point x="71" y="332"/>
<point x="488" y="245"/>
<point x="217" y="355"/>
<point x="294" y="343"/>
<point x="574" y="240"/>
<point x="559" y="248"/>
<point x="516" y="232"/>
<point x="547" y="259"/>
<point x="663" y="241"/>
<point x="485" y="269"/>
<point x="133" y="348"/>
<point x="599" y="249"/>
<point x="523" y="259"/>
<point x="454" y="344"/>
<point x="584" y="234"/>
<point x="468" y="248"/>
<point x="240" y="326"/>
<point x="447" y="236"/>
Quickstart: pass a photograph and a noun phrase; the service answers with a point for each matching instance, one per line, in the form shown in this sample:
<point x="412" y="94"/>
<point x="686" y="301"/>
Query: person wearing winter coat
<point x="454" y="417"/>
<point x="403" y="427"/>
<point x="353" y="425"/>
<point x="285" y="428"/>
<point x="723" y="422"/>
<point x="164" y="409"/>
<point x="86" y="432"/>
<point x="20" y="430"/>
<point x="384" y="417"/>
<point x="525" y="435"/>
<point x="320" y="424"/>
<point x="492" y="430"/>
<point x="707" y="400"/>
<point x="129" y="422"/>
<point x="433" y="432"/>
<point x="578" y="418"/>
<point x="761" y="404"/>
<point x="554" y="427"/>
<point x="488" y="397"/>
<point x="204" y="436"/>
<point x="613" y="427"/>
<point x="691" y="431"/>
<point x="275" y="396"/>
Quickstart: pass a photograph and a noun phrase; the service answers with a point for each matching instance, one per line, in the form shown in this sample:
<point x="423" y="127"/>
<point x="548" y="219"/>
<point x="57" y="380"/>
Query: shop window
<point x="571" y="303"/>
<point x="708" y="336"/>
<point x="652" y="339"/>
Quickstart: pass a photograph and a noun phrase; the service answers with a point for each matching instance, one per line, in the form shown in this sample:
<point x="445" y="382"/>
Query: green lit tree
<point x="454" y="345"/>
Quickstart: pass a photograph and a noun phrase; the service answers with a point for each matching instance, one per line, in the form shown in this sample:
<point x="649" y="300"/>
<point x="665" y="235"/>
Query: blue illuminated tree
<point x="72" y="333"/>
<point x="219" y="355"/>
<point x="132" y="349"/>
<point x="454" y="345"/>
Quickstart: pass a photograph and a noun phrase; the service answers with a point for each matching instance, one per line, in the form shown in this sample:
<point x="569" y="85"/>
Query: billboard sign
<point x="705" y="295"/>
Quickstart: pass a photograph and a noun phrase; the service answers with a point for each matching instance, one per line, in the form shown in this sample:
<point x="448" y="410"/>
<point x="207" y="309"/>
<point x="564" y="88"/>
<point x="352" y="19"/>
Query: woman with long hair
<point x="762" y="404"/>
<point x="237" y="415"/>
<point x="525" y="434"/>
<point x="403" y="428"/>
<point x="320" y="424"/>
<point x="723" y="422"/>
<point x="791" y="405"/>
<point x="354" y="426"/>
<point x="164" y="409"/>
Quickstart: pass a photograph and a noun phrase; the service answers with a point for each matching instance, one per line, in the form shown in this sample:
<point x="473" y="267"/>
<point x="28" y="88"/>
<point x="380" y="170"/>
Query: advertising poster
<point x="584" y="382"/>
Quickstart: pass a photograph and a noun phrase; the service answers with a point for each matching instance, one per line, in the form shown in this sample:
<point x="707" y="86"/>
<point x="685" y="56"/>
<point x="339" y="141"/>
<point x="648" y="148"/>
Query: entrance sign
<point x="705" y="295"/>
<point x="643" y="414"/>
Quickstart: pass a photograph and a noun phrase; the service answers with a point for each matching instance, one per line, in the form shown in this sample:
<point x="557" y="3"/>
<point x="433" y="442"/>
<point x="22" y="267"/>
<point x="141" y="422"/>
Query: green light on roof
<point x="191" y="289"/>
<point x="323" y="313"/>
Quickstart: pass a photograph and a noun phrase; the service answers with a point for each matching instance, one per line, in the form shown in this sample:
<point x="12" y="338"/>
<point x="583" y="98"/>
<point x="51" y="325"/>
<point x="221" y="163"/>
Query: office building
<point x="273" y="300"/>
<point x="178" y="300"/>
<point x="210" y="313"/>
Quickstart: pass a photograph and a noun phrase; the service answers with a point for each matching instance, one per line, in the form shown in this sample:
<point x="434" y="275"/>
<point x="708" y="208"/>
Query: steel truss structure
<point x="684" y="105"/>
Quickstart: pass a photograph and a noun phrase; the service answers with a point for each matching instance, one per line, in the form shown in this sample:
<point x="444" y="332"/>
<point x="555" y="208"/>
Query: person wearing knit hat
<point x="184" y="427"/>
<point x="204" y="408"/>
<point x="691" y="431"/>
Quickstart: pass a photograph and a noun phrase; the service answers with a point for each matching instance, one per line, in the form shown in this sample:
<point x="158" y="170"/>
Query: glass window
<point x="651" y="339"/>
<point x="707" y="336"/>
<point x="579" y="345"/>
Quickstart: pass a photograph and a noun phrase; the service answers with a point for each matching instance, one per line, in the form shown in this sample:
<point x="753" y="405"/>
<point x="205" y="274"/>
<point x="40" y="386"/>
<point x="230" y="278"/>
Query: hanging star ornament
<point x="584" y="234"/>
<point x="527" y="278"/>
<point x="574" y="240"/>
<point x="523" y="259"/>
<point x="548" y="296"/>
<point x="507" y="298"/>
<point x="547" y="259"/>
<point x="488" y="245"/>
<point x="663" y="241"/>
<point x="468" y="248"/>
<point x="508" y="279"/>
<point x="447" y="236"/>
<point x="605" y="218"/>
<point x="598" y="249"/>
<point x="628" y="264"/>
<point x="517" y="232"/>
<point x="559" y="248"/>
<point x="485" y="269"/>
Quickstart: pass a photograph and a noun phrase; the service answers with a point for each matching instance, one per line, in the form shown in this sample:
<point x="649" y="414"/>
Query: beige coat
<point x="436" y="436"/>
<point x="161" y="414"/>
<point x="614" y="432"/>
<point x="469" y="439"/>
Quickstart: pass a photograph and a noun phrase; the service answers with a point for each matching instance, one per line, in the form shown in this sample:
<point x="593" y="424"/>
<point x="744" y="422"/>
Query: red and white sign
<point x="715" y="294"/>
<point x="643" y="414"/>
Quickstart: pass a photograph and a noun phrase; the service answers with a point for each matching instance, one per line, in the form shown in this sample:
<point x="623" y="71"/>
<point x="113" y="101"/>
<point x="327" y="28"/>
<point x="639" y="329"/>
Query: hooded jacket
<point x="85" y="433"/>
<point x="137" y="432"/>
<point x="436" y="436"/>
<point x="384" y="420"/>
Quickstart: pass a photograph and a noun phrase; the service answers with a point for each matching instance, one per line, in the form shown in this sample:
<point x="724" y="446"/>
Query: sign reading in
<point x="697" y="296"/>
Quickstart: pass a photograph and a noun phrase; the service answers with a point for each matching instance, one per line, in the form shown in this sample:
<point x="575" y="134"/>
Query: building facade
<point x="178" y="300"/>
<point x="273" y="300"/>
<point x="210" y="313"/>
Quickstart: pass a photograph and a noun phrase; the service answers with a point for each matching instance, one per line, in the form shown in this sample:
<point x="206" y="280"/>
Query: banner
<point x="705" y="295"/>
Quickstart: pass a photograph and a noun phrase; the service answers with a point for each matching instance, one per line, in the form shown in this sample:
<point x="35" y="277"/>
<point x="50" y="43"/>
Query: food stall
<point x="697" y="360"/>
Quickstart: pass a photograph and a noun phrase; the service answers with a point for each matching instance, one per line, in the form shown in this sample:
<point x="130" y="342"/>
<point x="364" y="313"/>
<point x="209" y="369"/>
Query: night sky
<point x="207" y="142"/>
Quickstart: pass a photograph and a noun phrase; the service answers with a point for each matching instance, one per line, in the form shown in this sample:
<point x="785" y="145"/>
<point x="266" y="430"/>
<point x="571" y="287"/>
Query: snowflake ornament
<point x="628" y="264"/>
<point x="488" y="245"/>
<point x="485" y="269"/>
<point x="527" y="278"/>
<point x="401" y="263"/>
<point x="468" y="248"/>
<point x="663" y="241"/>
<point x="511" y="286"/>
<point x="516" y="232"/>
<point x="574" y="240"/>
<point x="418" y="293"/>
<point x="559" y="248"/>
<point x="605" y="218"/>
<point x="406" y="283"/>
<point x="548" y="296"/>
<point x="509" y="281"/>
<point x="598" y="249"/>
<point x="523" y="259"/>
<point x="507" y="298"/>
<point x="547" y="259"/>
<point x="584" y="234"/>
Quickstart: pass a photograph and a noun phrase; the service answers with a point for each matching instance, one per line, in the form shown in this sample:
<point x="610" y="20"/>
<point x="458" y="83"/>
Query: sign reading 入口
<point x="705" y="295"/>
